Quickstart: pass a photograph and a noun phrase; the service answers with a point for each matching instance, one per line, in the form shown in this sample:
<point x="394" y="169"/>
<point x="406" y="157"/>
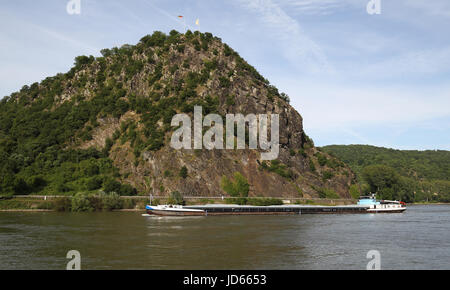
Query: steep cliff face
<point x="131" y="94"/>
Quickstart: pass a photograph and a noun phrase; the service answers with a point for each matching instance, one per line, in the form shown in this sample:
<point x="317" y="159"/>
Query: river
<point x="416" y="239"/>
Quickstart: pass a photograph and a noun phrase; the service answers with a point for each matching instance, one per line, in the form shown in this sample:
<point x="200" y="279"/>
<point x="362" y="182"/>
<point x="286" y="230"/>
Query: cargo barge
<point x="365" y="205"/>
<point x="226" y="209"/>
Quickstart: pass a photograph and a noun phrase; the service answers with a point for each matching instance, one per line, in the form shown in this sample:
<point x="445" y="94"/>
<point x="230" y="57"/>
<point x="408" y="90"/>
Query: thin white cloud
<point x="65" y="39"/>
<point x="360" y="138"/>
<point x="410" y="63"/>
<point x="324" y="105"/>
<point x="21" y="25"/>
<point x="313" y="7"/>
<point x="433" y="8"/>
<point x="296" y="44"/>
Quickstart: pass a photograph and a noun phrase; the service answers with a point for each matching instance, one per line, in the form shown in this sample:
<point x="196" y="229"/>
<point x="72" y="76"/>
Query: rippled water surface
<point x="416" y="239"/>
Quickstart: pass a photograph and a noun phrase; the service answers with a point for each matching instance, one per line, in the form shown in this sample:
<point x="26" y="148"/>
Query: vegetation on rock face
<point x="327" y="193"/>
<point x="183" y="172"/>
<point x="176" y="198"/>
<point x="73" y="132"/>
<point x="277" y="167"/>
<point x="237" y="188"/>
<point x="408" y="175"/>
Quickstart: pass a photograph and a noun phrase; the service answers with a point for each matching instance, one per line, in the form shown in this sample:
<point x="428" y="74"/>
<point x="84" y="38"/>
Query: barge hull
<point x="386" y="211"/>
<point x="206" y="210"/>
<point x="175" y="213"/>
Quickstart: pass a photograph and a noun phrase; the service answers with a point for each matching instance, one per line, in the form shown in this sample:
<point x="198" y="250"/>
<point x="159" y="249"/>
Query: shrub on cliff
<point x="312" y="167"/>
<point x="237" y="188"/>
<point x="327" y="193"/>
<point x="327" y="175"/>
<point x="322" y="159"/>
<point x="110" y="201"/>
<point x="176" y="198"/>
<point x="354" y="191"/>
<point x="279" y="168"/>
<point x="183" y="172"/>
<point x="81" y="202"/>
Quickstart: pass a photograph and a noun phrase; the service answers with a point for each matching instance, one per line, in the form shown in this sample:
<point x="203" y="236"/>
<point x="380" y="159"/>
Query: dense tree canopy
<point x="409" y="175"/>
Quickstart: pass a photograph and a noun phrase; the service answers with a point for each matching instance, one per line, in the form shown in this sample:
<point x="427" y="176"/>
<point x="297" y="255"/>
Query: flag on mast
<point x="197" y="22"/>
<point x="184" y="22"/>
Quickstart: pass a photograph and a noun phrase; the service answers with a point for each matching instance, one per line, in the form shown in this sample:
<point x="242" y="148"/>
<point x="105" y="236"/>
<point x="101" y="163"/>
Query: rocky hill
<point x="105" y="124"/>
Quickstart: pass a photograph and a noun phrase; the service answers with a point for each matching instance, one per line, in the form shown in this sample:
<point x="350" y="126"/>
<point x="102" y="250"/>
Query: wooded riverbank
<point x="131" y="203"/>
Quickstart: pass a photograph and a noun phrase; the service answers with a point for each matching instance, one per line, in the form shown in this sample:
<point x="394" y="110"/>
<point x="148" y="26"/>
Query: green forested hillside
<point x="43" y="125"/>
<point x="418" y="175"/>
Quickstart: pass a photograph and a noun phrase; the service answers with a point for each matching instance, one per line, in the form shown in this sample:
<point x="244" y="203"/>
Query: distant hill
<point x="429" y="164"/>
<point x="428" y="170"/>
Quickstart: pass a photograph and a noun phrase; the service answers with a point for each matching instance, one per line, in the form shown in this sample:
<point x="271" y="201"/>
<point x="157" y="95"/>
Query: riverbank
<point x="72" y="203"/>
<point x="26" y="210"/>
<point x="106" y="202"/>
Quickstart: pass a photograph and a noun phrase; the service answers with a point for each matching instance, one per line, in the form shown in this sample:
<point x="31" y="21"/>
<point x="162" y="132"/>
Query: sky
<point x="356" y="78"/>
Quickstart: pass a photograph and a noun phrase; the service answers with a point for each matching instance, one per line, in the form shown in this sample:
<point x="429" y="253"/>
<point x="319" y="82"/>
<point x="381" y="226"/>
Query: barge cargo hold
<point x="225" y="209"/>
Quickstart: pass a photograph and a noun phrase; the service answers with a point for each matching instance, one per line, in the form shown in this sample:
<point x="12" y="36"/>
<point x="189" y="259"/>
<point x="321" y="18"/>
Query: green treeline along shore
<point x="408" y="175"/>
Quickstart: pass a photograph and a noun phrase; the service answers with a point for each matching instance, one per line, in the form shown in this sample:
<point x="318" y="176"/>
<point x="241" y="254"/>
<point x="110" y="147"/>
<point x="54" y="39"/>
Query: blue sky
<point x="355" y="78"/>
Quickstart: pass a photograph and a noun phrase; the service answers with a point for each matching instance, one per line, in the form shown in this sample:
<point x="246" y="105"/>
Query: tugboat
<point x="173" y="210"/>
<point x="381" y="206"/>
